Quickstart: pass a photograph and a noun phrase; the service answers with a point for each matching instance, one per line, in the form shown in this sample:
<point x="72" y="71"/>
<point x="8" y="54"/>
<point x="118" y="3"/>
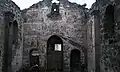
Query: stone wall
<point x="109" y="46"/>
<point x="9" y="6"/>
<point x="70" y="26"/>
<point x="75" y="26"/>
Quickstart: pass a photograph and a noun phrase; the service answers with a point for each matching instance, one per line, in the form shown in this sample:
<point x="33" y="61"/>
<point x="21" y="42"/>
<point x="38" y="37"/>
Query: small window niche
<point x="55" y="9"/>
<point x="58" y="47"/>
<point x="54" y="14"/>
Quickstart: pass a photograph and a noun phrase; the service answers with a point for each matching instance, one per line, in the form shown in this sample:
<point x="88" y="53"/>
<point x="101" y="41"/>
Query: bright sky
<point x="27" y="3"/>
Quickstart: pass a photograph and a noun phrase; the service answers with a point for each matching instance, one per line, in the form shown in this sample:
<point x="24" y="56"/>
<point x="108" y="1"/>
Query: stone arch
<point x="55" y="54"/>
<point x="34" y="57"/>
<point x="54" y="40"/>
<point x="75" y="60"/>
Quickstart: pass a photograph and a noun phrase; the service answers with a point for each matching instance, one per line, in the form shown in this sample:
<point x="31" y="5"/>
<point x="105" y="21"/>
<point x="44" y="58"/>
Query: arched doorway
<point x="75" y="60"/>
<point x="54" y="54"/>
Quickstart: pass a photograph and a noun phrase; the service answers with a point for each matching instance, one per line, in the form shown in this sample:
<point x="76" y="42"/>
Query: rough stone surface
<point x="9" y="6"/>
<point x="109" y="50"/>
<point x="70" y="27"/>
<point x="74" y="24"/>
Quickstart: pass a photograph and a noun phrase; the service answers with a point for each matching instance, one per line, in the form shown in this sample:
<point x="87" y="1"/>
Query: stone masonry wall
<point x="9" y="6"/>
<point x="70" y="26"/>
<point x="109" y="46"/>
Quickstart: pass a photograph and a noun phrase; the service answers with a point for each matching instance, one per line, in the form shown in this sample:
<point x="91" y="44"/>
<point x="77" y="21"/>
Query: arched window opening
<point x="15" y="31"/>
<point x="75" y="60"/>
<point x="109" y="14"/>
<point x="109" y="19"/>
<point x="34" y="57"/>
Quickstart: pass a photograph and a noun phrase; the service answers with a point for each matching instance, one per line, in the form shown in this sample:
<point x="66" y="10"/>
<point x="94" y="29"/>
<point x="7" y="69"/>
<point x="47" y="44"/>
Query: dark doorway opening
<point x="34" y="57"/>
<point x="54" y="54"/>
<point x="75" y="60"/>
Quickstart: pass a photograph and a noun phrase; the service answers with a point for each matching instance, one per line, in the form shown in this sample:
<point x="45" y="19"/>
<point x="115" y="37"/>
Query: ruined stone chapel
<point x="60" y="37"/>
